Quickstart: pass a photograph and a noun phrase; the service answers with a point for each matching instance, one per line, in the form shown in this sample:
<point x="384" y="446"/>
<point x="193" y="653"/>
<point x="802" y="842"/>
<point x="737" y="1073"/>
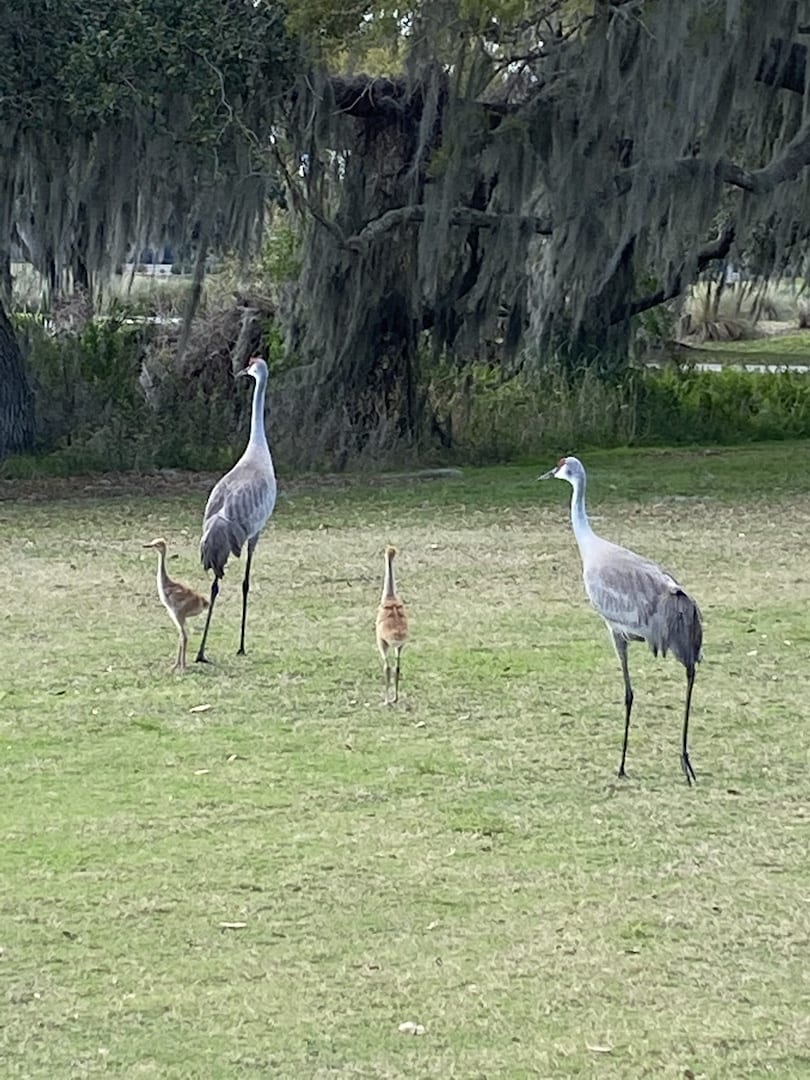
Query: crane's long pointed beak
<point x="239" y="374"/>
<point x="548" y="475"/>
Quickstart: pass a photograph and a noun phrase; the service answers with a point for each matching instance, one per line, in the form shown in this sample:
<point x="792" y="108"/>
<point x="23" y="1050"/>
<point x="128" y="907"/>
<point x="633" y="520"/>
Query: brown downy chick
<point x="180" y="601"/>
<point x="392" y="627"/>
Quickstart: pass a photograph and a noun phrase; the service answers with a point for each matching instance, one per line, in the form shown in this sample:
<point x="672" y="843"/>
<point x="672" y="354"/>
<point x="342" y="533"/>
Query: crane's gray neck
<point x="257" y="433"/>
<point x="579" y="517"/>
<point x="389" y="587"/>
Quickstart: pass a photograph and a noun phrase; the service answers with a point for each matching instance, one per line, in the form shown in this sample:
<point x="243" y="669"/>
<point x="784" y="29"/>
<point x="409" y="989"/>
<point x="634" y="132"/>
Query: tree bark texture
<point x="16" y="399"/>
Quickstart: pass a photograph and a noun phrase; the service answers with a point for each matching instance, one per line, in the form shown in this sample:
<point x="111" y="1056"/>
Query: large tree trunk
<point x="16" y="399"/>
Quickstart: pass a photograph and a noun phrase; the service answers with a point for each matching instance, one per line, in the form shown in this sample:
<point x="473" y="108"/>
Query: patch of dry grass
<point x="468" y="860"/>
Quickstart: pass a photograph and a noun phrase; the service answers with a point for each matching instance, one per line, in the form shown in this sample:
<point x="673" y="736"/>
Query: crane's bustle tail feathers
<point x="677" y="628"/>
<point x="222" y="538"/>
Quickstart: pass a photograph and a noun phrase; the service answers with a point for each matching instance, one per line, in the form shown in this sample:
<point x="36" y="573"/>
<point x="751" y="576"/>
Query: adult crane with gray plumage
<point x="239" y="505"/>
<point x="638" y="600"/>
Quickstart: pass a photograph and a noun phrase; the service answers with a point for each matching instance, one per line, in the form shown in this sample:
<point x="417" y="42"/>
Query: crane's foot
<point x="201" y="659"/>
<point x="688" y="771"/>
<point x="241" y="652"/>
<point x="621" y="774"/>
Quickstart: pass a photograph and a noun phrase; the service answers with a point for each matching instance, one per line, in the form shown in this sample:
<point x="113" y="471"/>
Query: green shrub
<point x="92" y="412"/>
<point x="97" y="409"/>
<point x="486" y="417"/>
<point x="87" y="399"/>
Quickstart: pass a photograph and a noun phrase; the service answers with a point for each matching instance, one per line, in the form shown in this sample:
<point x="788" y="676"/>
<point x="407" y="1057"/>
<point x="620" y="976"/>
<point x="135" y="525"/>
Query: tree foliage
<point x="527" y="170"/>
<point x="508" y="181"/>
<point x="127" y="124"/>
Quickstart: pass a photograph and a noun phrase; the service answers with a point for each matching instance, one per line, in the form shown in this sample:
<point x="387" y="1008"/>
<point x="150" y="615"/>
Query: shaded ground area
<point x="170" y="483"/>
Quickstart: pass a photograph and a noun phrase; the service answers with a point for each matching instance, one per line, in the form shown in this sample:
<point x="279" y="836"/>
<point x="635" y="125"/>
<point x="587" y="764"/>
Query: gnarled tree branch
<point x="715" y="249"/>
<point x="461" y="216"/>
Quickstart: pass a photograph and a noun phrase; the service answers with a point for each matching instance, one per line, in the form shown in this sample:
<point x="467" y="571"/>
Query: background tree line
<point x="457" y="181"/>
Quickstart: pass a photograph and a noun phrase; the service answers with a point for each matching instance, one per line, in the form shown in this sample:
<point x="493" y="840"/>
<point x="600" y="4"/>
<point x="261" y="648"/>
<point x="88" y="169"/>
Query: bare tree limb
<point x="784" y="167"/>
<point x="715" y="249"/>
<point x="461" y="216"/>
<point x="783" y="64"/>
<point x="787" y="165"/>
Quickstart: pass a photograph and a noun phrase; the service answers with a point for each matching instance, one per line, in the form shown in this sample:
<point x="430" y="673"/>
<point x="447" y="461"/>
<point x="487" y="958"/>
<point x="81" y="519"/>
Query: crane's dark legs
<point x="620" y="644"/>
<point x="686" y="764"/>
<point x="245" y="591"/>
<point x="201" y="657"/>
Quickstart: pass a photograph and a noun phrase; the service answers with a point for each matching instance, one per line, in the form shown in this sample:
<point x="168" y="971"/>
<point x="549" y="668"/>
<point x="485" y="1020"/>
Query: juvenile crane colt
<point x="392" y="626"/>
<point x="180" y="601"/>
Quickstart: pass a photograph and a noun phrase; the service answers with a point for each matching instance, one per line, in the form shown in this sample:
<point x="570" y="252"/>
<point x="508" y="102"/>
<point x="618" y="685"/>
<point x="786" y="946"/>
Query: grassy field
<point x="792" y="348"/>
<point x="256" y="870"/>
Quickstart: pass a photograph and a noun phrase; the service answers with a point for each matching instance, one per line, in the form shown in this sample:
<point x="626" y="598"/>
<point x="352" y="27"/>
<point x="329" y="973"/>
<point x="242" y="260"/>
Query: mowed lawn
<point x="257" y="870"/>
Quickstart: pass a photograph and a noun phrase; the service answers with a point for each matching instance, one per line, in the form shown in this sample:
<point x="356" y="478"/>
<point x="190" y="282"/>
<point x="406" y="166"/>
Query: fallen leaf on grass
<point x="199" y="708"/>
<point x="411" y="1028"/>
<point x="201" y="772"/>
<point x="599" y="1049"/>
<point x="232" y="925"/>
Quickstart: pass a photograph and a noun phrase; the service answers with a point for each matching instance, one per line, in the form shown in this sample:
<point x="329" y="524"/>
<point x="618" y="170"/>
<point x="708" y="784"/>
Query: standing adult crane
<point x="239" y="505"/>
<point x="638" y="600"/>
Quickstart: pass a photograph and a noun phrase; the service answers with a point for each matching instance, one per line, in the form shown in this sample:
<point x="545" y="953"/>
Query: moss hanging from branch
<point x="525" y="174"/>
<point x="135" y="124"/>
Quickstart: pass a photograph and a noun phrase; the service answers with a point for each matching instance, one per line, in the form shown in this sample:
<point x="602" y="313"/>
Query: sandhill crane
<point x="638" y="600"/>
<point x="181" y="602"/>
<point x="239" y="505"/>
<point x="392" y="626"/>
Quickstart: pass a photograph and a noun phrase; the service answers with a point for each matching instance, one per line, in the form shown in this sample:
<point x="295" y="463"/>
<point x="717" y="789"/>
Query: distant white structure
<point x="151" y="262"/>
<point x="148" y="269"/>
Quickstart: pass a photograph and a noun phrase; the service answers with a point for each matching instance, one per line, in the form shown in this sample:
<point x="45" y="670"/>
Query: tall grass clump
<point x="93" y="408"/>
<point x="716" y="310"/>
<point x="88" y="403"/>
<point x="487" y="417"/>
<point x="117" y="394"/>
